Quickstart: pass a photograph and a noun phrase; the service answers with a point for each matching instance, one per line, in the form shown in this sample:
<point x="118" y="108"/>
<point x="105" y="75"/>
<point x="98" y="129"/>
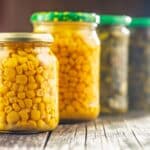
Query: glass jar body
<point x="139" y="74"/>
<point x="28" y="87"/>
<point x="114" y="70"/>
<point x="77" y="48"/>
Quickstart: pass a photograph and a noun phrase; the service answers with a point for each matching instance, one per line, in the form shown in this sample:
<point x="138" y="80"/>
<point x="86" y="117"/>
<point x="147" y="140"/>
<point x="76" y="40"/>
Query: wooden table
<point x="130" y="131"/>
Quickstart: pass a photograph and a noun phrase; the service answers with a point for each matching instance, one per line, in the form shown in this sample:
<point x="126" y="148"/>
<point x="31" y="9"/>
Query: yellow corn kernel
<point x="40" y="92"/>
<point x="12" y="117"/>
<point x="35" y="114"/>
<point x="14" y="56"/>
<point x="28" y="103"/>
<point x="7" y="109"/>
<point x="31" y="79"/>
<point x="3" y="89"/>
<point x="14" y="87"/>
<point x="30" y="94"/>
<point x="31" y="57"/>
<point x="42" y="125"/>
<point x="24" y="67"/>
<point x="11" y="62"/>
<point x="47" y="98"/>
<point x="21" y="88"/>
<point x="24" y="115"/>
<point x="10" y="94"/>
<point x="21" y="103"/>
<point x="21" y="53"/>
<point x="2" y="117"/>
<point x="32" y="124"/>
<point x="6" y="102"/>
<point x="34" y="60"/>
<point x="16" y="107"/>
<point x="30" y="65"/>
<point x="52" y="123"/>
<point x="19" y="69"/>
<point x="32" y="86"/>
<point x="21" y="79"/>
<point x="35" y="106"/>
<point x="9" y="74"/>
<point x="46" y="75"/>
<point x="43" y="114"/>
<point x="45" y="85"/>
<point x="21" y="95"/>
<point x="49" y="108"/>
<point x="31" y="72"/>
<point x="8" y="84"/>
<point x="12" y="100"/>
<point x="39" y="78"/>
<point x="37" y="100"/>
<point x="1" y="106"/>
<point x="22" y="60"/>
<point x="22" y="124"/>
<point x="40" y="70"/>
<point x="42" y="106"/>
<point x="2" y="126"/>
<point x="25" y="89"/>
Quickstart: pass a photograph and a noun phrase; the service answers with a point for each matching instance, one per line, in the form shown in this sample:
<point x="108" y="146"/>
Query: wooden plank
<point x="78" y="141"/>
<point x="118" y="133"/>
<point x="12" y="141"/>
<point x="93" y="139"/>
<point x="61" y="137"/>
<point x="140" y="127"/>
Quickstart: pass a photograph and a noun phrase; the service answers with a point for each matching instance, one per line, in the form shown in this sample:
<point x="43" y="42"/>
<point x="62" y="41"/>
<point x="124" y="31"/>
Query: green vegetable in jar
<point x="114" y="64"/>
<point x="139" y="61"/>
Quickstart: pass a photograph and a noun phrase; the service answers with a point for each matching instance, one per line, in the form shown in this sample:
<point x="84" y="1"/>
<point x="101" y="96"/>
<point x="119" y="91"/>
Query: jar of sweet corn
<point x="77" y="48"/>
<point x="139" y="62"/>
<point x="28" y="83"/>
<point x="114" y="61"/>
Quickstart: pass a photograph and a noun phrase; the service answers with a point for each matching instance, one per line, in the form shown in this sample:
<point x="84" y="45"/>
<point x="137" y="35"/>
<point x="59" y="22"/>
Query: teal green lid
<point x="140" y="22"/>
<point x="64" y="16"/>
<point x="115" y="20"/>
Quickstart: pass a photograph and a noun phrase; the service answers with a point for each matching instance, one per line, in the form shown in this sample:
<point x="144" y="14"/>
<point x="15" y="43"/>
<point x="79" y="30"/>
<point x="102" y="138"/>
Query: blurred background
<point x="15" y="14"/>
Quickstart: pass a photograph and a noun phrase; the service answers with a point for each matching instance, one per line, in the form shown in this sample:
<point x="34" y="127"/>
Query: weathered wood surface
<point x="131" y="131"/>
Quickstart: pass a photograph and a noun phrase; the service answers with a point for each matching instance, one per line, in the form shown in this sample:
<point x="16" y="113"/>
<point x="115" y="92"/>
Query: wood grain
<point x="12" y="141"/>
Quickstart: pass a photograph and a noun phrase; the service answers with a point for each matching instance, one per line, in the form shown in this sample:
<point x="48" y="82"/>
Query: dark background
<point x="14" y="14"/>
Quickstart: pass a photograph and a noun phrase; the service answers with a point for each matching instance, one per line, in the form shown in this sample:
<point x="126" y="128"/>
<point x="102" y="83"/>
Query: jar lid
<point x="25" y="37"/>
<point x="115" y="20"/>
<point x="55" y="16"/>
<point x="140" y="22"/>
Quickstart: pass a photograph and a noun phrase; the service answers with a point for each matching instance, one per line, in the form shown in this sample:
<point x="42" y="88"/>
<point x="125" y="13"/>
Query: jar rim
<point x="58" y="16"/>
<point x="25" y="37"/>
<point x="115" y="20"/>
<point x="140" y="22"/>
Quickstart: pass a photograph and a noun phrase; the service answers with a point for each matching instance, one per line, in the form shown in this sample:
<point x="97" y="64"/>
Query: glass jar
<point x="77" y="48"/>
<point x="28" y="83"/>
<point x="139" y="61"/>
<point x="114" y="61"/>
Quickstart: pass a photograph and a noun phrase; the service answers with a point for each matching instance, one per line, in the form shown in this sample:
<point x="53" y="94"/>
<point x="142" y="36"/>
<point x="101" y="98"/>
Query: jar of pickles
<point x="114" y="61"/>
<point x="28" y="83"/>
<point x="77" y="48"/>
<point x="139" y="61"/>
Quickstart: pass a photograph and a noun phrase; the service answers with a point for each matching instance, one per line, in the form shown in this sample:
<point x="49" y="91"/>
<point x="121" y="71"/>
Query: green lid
<point x="64" y="16"/>
<point x="115" y="20"/>
<point x="140" y="22"/>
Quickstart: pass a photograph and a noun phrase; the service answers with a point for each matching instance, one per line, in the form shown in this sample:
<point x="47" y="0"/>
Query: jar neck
<point x="49" y="26"/>
<point x="24" y="44"/>
<point x="120" y="28"/>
